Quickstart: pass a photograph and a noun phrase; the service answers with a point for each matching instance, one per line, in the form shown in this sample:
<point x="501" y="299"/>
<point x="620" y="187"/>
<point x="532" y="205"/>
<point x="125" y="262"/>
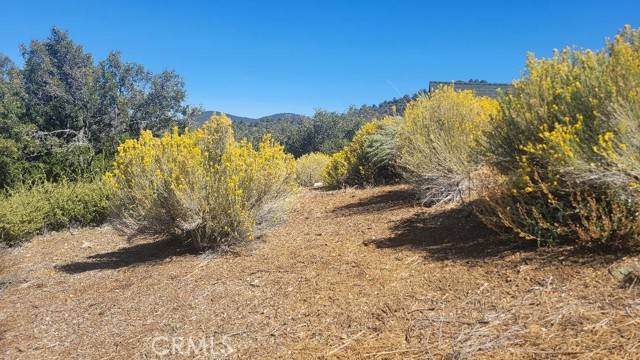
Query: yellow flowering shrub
<point x="567" y="143"/>
<point x="335" y="173"/>
<point x="309" y="168"/>
<point x="202" y="185"/>
<point x="438" y="141"/>
<point x="354" y="164"/>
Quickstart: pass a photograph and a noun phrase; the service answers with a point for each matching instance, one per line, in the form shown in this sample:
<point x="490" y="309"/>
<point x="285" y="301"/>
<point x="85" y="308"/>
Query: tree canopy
<point x="62" y="114"/>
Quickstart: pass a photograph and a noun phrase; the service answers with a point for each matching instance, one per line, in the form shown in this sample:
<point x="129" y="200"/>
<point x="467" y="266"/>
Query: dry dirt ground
<point x="360" y="274"/>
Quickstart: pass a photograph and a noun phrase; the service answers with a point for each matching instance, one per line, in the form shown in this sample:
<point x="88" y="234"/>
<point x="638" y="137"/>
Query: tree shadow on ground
<point x="457" y="233"/>
<point x="144" y="253"/>
<point x="389" y="200"/>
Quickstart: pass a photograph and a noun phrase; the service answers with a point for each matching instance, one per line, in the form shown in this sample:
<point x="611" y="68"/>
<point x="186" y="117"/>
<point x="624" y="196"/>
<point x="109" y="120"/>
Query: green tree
<point x="14" y="134"/>
<point x="62" y="115"/>
<point x="58" y="78"/>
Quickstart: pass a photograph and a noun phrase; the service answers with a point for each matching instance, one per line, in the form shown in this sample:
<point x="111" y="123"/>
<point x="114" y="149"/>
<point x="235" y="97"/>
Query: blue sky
<point x="261" y="57"/>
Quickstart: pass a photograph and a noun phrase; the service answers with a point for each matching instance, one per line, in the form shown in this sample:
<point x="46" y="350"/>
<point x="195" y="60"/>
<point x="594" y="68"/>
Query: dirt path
<point x="351" y="274"/>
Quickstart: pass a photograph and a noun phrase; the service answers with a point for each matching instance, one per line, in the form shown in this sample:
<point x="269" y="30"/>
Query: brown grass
<point x="352" y="274"/>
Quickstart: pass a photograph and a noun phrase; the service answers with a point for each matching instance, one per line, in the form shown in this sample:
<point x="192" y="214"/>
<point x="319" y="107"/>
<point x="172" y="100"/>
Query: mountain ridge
<point x="205" y="115"/>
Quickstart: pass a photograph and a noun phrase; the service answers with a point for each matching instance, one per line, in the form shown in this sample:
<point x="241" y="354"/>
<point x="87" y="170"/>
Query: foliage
<point x="356" y="164"/>
<point x="438" y="140"/>
<point x="309" y="168"/>
<point x="48" y="206"/>
<point x="325" y="131"/>
<point x="283" y="127"/>
<point x="201" y="186"/>
<point x="381" y="150"/>
<point x="62" y="115"/>
<point x="568" y="147"/>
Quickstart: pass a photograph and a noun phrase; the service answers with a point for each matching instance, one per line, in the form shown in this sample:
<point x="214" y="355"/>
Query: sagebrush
<point x="439" y="139"/>
<point x="201" y="186"/>
<point x="567" y="147"/>
<point x="309" y="168"/>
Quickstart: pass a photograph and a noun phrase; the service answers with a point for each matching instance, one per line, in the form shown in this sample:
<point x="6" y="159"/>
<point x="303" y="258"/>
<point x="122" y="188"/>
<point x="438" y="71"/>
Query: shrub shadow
<point x="449" y="234"/>
<point x="144" y="253"/>
<point x="458" y="234"/>
<point x="389" y="200"/>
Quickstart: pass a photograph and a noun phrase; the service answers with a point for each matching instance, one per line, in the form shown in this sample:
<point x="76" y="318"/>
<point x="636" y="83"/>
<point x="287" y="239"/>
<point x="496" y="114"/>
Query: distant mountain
<point x="205" y="115"/>
<point x="286" y="117"/>
<point x="282" y="116"/>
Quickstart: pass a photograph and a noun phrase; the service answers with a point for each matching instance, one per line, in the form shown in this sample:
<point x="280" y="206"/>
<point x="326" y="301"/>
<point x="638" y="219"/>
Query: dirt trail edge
<point x="351" y="274"/>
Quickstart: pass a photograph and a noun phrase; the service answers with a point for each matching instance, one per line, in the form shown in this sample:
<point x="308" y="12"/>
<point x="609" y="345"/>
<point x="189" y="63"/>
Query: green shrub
<point x="438" y="142"/>
<point x="201" y="186"/>
<point x="567" y="146"/>
<point x="309" y="168"/>
<point x="381" y="150"/>
<point x="363" y="161"/>
<point x="26" y="212"/>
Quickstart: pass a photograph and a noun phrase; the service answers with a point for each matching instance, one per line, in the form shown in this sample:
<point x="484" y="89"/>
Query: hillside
<point x="351" y="274"/>
<point x="205" y="115"/>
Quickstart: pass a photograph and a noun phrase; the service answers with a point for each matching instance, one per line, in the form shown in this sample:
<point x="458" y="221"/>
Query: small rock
<point x="629" y="276"/>
<point x="620" y="272"/>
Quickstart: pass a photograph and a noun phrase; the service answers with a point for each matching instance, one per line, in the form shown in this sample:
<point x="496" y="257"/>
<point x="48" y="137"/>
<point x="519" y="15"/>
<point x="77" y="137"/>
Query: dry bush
<point x="438" y="140"/>
<point x="309" y="168"/>
<point x="201" y="186"/>
<point x="567" y="145"/>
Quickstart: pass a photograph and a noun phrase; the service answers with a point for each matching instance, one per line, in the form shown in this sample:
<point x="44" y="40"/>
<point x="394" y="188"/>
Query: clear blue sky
<point x="255" y="58"/>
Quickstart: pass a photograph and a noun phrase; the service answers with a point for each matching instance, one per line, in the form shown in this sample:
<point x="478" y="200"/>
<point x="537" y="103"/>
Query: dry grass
<point x="352" y="274"/>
